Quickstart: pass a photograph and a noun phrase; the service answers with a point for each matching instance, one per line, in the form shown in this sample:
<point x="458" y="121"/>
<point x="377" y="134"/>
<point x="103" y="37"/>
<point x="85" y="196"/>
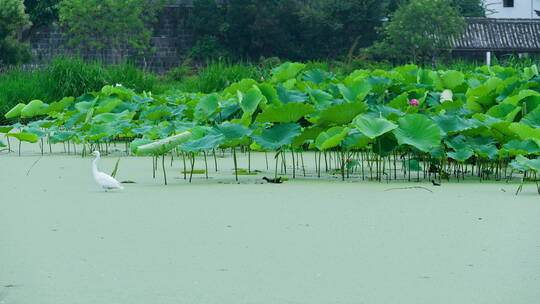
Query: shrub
<point x="13" y="19"/>
<point x="178" y="73"/>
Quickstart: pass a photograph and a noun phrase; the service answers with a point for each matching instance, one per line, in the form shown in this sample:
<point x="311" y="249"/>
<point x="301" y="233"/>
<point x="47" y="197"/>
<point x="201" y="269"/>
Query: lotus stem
<point x="163" y="167"/>
<point x="293" y="164"/>
<point x="184" y="160"/>
<point x="192" y="166"/>
<point x="235" y="164"/>
<point x="205" y="165"/>
<point x="215" y="159"/>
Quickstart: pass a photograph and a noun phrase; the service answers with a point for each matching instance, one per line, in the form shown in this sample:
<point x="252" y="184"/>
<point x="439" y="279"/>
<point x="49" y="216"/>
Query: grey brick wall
<point x="171" y="39"/>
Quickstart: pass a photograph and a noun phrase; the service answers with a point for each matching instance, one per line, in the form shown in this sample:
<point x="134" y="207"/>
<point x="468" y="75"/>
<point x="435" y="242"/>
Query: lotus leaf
<point x="15" y="111"/>
<point x="277" y="136"/>
<point x="373" y="127"/>
<point x="290" y="112"/>
<point x="342" y="113"/>
<point x="28" y="137"/>
<point x="331" y="138"/>
<point x="165" y="145"/>
<point x="287" y="71"/>
<point x="418" y="131"/>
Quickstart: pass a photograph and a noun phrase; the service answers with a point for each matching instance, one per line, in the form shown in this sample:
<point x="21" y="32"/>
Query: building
<point x="499" y="36"/>
<point x="512" y="9"/>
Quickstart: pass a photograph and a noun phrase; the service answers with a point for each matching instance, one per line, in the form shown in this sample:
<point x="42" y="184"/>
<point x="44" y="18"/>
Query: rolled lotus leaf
<point x="15" y="111"/>
<point x="31" y="109"/>
<point x="163" y="145"/>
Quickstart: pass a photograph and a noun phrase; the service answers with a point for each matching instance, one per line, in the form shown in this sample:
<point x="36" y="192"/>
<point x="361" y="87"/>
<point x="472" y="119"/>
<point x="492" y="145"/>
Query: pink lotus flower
<point x="414" y="102"/>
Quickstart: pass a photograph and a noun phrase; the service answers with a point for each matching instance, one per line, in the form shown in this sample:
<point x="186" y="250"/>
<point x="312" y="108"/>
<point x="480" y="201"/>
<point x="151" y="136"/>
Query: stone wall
<point x="171" y="39"/>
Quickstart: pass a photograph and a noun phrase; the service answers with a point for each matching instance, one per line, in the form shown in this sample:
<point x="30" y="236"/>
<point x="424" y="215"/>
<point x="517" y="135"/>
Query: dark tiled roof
<point x="486" y="34"/>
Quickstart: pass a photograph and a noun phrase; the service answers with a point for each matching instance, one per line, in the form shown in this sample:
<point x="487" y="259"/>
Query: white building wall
<point x="521" y="9"/>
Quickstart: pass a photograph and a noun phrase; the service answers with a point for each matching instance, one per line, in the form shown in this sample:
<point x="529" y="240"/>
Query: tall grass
<point x="217" y="75"/>
<point x="65" y="76"/>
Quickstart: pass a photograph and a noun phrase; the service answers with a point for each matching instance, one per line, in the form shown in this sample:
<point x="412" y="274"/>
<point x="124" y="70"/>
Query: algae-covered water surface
<point x="308" y="240"/>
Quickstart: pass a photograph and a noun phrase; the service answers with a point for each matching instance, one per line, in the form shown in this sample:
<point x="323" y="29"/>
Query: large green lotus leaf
<point x="501" y="132"/>
<point x="485" y="88"/>
<point x="290" y="112"/>
<point x="206" y="107"/>
<point x="250" y="100"/>
<point x="288" y="96"/>
<point x="28" y="137"/>
<point x="60" y="105"/>
<point x="107" y="104"/>
<point x="400" y="102"/>
<point x="454" y="123"/>
<point x="532" y="164"/>
<point x="277" y="136"/>
<point x="524" y="131"/>
<point x="357" y="91"/>
<point x="155" y="113"/>
<point x="15" y="111"/>
<point x="37" y="131"/>
<point x="514" y="100"/>
<point x="458" y="143"/>
<point x="205" y="143"/>
<point x="484" y="146"/>
<point x="164" y="145"/>
<point x="321" y="98"/>
<point x="418" y="131"/>
<point x="269" y="92"/>
<point x="331" y="138"/>
<point x="460" y="155"/>
<point x="230" y="131"/>
<point x="356" y="141"/>
<point x="84" y="106"/>
<point x="452" y="79"/>
<point x="286" y="71"/>
<point x="5" y="129"/>
<point x="99" y="131"/>
<point x="243" y="86"/>
<point x="521" y="147"/>
<point x="373" y="127"/>
<point x="110" y="117"/>
<point x="342" y="113"/>
<point x="31" y="109"/>
<point x="62" y="136"/>
<point x="532" y="118"/>
<point x="503" y="111"/>
<point x="317" y="76"/>
<point x="409" y="73"/>
<point x="308" y="134"/>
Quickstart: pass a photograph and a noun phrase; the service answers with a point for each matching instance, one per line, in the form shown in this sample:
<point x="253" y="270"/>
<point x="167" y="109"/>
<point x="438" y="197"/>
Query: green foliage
<point x="12" y="20"/>
<point x="420" y="30"/>
<point x="99" y="24"/>
<point x="335" y="28"/>
<point x="42" y="12"/>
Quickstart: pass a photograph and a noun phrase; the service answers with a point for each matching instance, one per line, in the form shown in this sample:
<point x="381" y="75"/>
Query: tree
<point x="207" y="21"/>
<point x="470" y="8"/>
<point x="264" y="28"/>
<point x="335" y="27"/>
<point x="122" y="25"/>
<point x="42" y="12"/>
<point x="12" y="21"/>
<point x="420" y="30"/>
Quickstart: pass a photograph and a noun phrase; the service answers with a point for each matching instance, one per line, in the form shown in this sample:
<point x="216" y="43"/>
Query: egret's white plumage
<point x="106" y="181"/>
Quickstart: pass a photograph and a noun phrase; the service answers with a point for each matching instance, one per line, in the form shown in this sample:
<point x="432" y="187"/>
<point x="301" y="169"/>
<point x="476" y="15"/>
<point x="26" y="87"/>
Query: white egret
<point x="106" y="181"/>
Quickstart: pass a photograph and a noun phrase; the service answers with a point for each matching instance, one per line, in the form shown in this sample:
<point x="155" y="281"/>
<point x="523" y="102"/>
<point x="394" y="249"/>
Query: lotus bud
<point x="446" y="95"/>
<point x="414" y="102"/>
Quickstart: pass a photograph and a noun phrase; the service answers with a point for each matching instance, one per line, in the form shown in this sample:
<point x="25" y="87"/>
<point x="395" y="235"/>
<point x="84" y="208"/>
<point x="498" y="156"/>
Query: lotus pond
<point x="356" y="220"/>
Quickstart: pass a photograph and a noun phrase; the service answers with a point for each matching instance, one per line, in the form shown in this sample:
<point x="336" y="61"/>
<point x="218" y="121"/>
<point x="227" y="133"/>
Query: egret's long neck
<point x="94" y="165"/>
